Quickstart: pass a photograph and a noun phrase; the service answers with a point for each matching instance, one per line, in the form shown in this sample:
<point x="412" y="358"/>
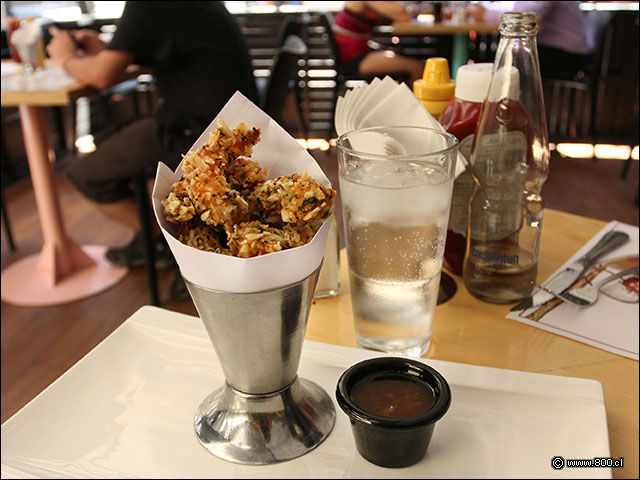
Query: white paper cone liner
<point x="281" y="155"/>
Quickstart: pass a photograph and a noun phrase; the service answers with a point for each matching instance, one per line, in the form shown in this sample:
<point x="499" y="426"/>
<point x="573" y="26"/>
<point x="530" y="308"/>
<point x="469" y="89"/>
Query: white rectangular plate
<point x="126" y="411"/>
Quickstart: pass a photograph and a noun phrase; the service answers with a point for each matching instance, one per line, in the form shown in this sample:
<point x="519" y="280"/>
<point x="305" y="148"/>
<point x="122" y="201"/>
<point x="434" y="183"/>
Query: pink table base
<point x="63" y="271"/>
<point x="24" y="283"/>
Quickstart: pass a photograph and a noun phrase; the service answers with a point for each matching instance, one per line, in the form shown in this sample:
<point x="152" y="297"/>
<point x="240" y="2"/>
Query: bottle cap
<point x="472" y="82"/>
<point x="436" y="84"/>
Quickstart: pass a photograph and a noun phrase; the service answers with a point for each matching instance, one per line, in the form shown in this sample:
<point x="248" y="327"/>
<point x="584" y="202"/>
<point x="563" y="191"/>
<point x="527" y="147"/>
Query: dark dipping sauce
<point x="393" y="396"/>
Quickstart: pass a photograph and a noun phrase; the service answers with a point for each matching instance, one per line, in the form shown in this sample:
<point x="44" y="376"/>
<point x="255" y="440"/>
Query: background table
<point x="421" y="28"/>
<point x="460" y="32"/>
<point x="63" y="271"/>
<point x="470" y="331"/>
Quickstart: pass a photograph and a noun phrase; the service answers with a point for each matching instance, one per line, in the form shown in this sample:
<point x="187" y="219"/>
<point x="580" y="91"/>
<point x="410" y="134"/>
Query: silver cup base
<point x="265" y="429"/>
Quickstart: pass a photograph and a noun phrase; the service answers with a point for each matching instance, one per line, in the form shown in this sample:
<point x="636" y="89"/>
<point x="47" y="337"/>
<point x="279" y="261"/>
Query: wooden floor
<point x="39" y="344"/>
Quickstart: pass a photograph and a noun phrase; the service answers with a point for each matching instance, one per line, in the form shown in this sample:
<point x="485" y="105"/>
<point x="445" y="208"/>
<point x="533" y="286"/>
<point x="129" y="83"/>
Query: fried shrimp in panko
<point x="231" y="149"/>
<point x="177" y="206"/>
<point x="234" y="143"/>
<point x="245" y="175"/>
<point x="211" y="176"/>
<point x="251" y="239"/>
<point x="199" y="235"/>
<point x="294" y="198"/>
<point x="225" y="204"/>
<point x="298" y="234"/>
<point x="213" y="199"/>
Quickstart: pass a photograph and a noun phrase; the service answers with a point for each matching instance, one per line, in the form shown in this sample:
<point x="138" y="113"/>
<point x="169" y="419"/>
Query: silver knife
<point x="563" y="280"/>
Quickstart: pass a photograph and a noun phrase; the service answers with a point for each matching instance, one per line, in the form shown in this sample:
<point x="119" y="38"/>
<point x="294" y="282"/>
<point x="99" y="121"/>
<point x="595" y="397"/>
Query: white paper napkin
<point x="281" y="155"/>
<point x="384" y="103"/>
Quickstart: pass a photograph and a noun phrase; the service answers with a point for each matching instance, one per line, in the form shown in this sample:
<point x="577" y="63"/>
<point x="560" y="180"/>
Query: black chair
<point x="617" y="83"/>
<point x="3" y="209"/>
<point x="281" y="82"/>
<point x="283" y="79"/>
<point x="343" y="77"/>
<point x="142" y="91"/>
<point x="139" y="183"/>
<point x="5" y="222"/>
<point x="326" y="19"/>
<point x="600" y="105"/>
<point x="569" y="109"/>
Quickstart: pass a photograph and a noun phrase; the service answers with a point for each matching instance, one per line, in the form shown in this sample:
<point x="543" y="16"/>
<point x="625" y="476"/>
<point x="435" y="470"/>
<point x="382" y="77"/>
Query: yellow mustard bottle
<point x="436" y="88"/>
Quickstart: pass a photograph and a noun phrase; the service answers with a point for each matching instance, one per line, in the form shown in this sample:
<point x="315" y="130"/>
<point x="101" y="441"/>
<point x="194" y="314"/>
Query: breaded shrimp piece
<point x="178" y="207"/>
<point x="209" y="191"/>
<point x="298" y="234"/>
<point x="234" y="143"/>
<point x="231" y="148"/>
<point x="245" y="175"/>
<point x="294" y="198"/>
<point x="201" y="236"/>
<point x="212" y="172"/>
<point x="250" y="239"/>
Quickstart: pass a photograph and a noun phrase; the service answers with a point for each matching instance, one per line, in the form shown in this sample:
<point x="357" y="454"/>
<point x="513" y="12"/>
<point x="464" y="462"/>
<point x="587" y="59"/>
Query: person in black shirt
<point x="198" y="57"/>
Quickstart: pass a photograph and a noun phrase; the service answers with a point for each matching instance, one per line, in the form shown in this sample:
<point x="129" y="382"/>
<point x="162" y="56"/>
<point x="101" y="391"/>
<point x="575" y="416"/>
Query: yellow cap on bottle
<point x="436" y="88"/>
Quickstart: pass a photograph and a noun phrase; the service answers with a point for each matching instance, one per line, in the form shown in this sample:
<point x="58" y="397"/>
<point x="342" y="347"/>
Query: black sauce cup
<point x="390" y="442"/>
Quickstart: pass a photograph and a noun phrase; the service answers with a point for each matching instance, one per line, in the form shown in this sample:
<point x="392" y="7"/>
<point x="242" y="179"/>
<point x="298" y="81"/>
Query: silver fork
<point x="587" y="295"/>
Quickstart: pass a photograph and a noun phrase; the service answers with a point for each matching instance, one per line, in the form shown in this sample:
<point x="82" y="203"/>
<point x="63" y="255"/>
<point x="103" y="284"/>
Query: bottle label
<point x="501" y="167"/>
<point x="500" y="156"/>
<point x="462" y="190"/>
<point x="492" y="257"/>
<point x="465" y="147"/>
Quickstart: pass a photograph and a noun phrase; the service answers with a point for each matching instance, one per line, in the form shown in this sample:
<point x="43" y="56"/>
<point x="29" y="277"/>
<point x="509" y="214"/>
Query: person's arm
<point x="101" y="70"/>
<point x="89" y="40"/>
<point x="395" y="11"/>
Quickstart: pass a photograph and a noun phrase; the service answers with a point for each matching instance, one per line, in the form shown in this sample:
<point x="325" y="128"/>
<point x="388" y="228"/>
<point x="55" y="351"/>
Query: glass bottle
<point x="510" y="162"/>
<point x="461" y="118"/>
<point x="329" y="279"/>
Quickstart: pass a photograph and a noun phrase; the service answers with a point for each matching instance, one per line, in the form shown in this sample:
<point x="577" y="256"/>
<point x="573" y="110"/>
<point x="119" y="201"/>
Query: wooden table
<point x="467" y="330"/>
<point x="460" y="32"/>
<point x="63" y="271"/>
<point x="422" y="28"/>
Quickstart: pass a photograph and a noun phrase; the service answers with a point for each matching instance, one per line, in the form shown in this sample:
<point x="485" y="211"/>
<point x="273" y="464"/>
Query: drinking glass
<point x="396" y="185"/>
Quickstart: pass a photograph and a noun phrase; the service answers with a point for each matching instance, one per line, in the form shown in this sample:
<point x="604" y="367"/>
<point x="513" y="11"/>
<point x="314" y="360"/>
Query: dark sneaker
<point x="133" y="254"/>
<point x="178" y="289"/>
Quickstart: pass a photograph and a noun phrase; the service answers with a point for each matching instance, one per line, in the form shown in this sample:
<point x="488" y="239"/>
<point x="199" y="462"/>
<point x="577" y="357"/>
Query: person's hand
<point x="61" y="47"/>
<point x="475" y="12"/>
<point x="88" y="40"/>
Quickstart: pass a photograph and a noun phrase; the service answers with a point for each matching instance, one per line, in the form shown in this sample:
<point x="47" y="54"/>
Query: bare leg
<point x="388" y="61"/>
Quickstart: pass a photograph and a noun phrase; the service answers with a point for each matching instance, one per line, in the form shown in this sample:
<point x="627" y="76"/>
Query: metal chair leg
<point x="144" y="207"/>
<point x="5" y="222"/>
<point x="625" y="168"/>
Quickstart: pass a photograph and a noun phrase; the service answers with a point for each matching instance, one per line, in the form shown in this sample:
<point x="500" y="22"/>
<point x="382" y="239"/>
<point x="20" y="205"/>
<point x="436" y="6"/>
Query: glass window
<point x="65" y="11"/>
<point x="59" y="11"/>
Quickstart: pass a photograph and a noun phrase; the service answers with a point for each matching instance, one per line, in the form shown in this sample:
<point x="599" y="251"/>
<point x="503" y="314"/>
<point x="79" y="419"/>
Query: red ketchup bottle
<point x="460" y="118"/>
